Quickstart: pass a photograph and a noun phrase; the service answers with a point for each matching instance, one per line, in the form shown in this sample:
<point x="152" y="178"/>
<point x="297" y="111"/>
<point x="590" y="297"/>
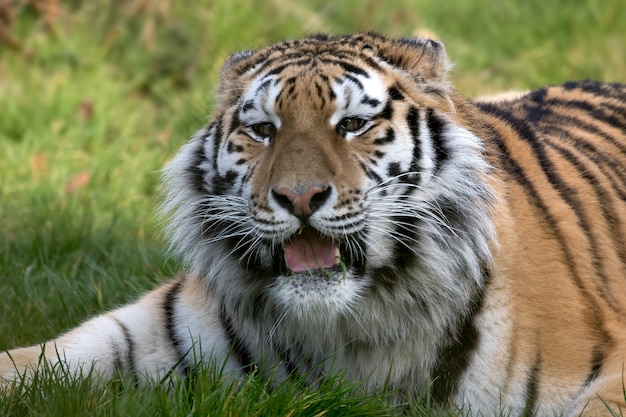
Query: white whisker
<point x="275" y="326"/>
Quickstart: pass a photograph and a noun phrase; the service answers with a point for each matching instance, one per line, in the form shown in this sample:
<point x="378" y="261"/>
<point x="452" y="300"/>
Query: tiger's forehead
<point x="296" y="53"/>
<point x="337" y="87"/>
<point x="316" y="73"/>
<point x="312" y="65"/>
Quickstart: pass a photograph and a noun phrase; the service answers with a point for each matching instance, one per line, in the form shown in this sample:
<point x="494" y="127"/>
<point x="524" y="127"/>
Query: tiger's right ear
<point x="425" y="59"/>
<point x="235" y="65"/>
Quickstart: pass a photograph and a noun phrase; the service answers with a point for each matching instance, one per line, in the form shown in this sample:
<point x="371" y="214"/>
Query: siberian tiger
<point x="347" y="210"/>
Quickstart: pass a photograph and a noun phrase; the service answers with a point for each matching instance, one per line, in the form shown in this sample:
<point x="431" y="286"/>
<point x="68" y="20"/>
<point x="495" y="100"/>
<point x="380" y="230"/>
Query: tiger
<point x="347" y="212"/>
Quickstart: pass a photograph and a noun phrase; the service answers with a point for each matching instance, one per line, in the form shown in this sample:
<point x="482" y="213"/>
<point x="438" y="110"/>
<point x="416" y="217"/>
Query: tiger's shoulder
<point x="578" y="122"/>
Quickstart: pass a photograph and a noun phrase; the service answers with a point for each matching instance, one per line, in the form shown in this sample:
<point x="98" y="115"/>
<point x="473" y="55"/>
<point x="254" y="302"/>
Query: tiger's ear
<point x="235" y="65"/>
<point x="425" y="59"/>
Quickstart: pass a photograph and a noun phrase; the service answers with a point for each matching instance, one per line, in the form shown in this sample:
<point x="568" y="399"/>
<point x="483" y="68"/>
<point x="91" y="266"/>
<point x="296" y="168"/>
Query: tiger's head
<point x="334" y="168"/>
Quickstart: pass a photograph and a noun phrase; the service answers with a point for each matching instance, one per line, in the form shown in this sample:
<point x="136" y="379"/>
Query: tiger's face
<point x="327" y="173"/>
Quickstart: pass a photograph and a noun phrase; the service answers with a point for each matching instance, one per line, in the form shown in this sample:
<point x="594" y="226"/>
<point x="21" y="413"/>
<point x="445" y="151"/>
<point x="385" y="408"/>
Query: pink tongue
<point x="308" y="251"/>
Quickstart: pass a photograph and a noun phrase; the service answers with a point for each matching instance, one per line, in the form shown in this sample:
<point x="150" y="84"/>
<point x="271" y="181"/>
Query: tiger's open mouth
<point x="308" y="250"/>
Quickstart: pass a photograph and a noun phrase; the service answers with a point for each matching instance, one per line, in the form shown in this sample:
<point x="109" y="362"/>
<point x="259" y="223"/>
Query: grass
<point x="93" y="106"/>
<point x="203" y="394"/>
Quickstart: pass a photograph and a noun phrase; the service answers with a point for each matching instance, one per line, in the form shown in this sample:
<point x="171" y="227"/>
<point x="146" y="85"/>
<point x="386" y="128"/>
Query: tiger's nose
<point x="304" y="204"/>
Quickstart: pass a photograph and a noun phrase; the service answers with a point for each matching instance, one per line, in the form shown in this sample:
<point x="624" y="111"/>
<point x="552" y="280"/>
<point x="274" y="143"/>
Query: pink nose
<point x="302" y="205"/>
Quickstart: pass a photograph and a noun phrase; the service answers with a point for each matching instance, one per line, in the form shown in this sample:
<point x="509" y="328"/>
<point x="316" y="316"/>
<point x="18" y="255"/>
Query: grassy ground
<point x="92" y="106"/>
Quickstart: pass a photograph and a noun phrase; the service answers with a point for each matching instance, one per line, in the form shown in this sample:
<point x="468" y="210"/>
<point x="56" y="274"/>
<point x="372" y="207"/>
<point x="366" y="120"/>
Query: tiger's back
<point x="348" y="211"/>
<point x="561" y="154"/>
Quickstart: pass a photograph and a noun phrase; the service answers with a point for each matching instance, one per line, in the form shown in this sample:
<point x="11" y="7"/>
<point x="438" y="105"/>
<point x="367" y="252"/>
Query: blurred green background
<point x="95" y="96"/>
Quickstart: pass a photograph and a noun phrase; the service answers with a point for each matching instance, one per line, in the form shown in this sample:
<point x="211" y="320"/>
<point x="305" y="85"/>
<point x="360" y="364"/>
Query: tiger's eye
<point x="350" y="124"/>
<point x="264" y="130"/>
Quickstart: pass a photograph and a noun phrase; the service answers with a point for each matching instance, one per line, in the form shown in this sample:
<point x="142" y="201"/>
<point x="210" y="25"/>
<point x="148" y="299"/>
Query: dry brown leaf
<point x="38" y="165"/>
<point x="85" y="110"/>
<point x="77" y="182"/>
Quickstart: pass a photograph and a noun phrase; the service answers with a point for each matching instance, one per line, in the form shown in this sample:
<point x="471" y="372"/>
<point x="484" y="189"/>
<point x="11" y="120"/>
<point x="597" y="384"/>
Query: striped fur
<point x="480" y="246"/>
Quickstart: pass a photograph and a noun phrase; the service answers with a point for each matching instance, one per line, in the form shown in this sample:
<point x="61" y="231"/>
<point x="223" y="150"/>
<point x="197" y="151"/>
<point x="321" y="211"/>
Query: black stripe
<point x="603" y="196"/>
<point x="222" y="183"/>
<point x="118" y="363"/>
<point x="234" y="123"/>
<point x="395" y="94"/>
<point x="372" y="63"/>
<point x="247" y="106"/>
<point x="130" y="351"/>
<point x="393" y="169"/>
<point x="219" y="184"/>
<point x="597" y="359"/>
<point x="245" y="177"/>
<point x="291" y="92"/>
<point x="320" y="93"/>
<point x="387" y="278"/>
<point x="610" y="112"/>
<point x="354" y="80"/>
<point x="390" y="136"/>
<point x="349" y="67"/>
<point x="532" y="387"/>
<point x="280" y="103"/>
<point x="216" y="127"/>
<point x="454" y="356"/>
<point x="291" y="64"/>
<point x="600" y="89"/>
<point x="436" y="127"/>
<point x="250" y="168"/>
<point x="370" y="174"/>
<point x="232" y="148"/>
<point x="169" y="309"/>
<point x="603" y="160"/>
<point x="386" y="113"/>
<point x="370" y="101"/>
<point x="607" y="112"/>
<point x="279" y="97"/>
<point x="194" y="172"/>
<point x="264" y="85"/>
<point x="406" y="234"/>
<point x="239" y="349"/>
<point x="553" y="119"/>
<point x="412" y="120"/>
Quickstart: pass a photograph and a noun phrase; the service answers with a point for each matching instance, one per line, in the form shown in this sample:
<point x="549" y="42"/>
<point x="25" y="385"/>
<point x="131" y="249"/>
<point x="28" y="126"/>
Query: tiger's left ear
<point x="425" y="59"/>
<point x="229" y="83"/>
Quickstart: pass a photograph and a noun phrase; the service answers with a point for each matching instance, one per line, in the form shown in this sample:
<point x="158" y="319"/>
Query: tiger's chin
<point x="317" y="294"/>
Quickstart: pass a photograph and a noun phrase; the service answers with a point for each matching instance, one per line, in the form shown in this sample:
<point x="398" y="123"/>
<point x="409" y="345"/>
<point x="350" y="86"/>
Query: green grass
<point x="203" y="394"/>
<point x="92" y="109"/>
